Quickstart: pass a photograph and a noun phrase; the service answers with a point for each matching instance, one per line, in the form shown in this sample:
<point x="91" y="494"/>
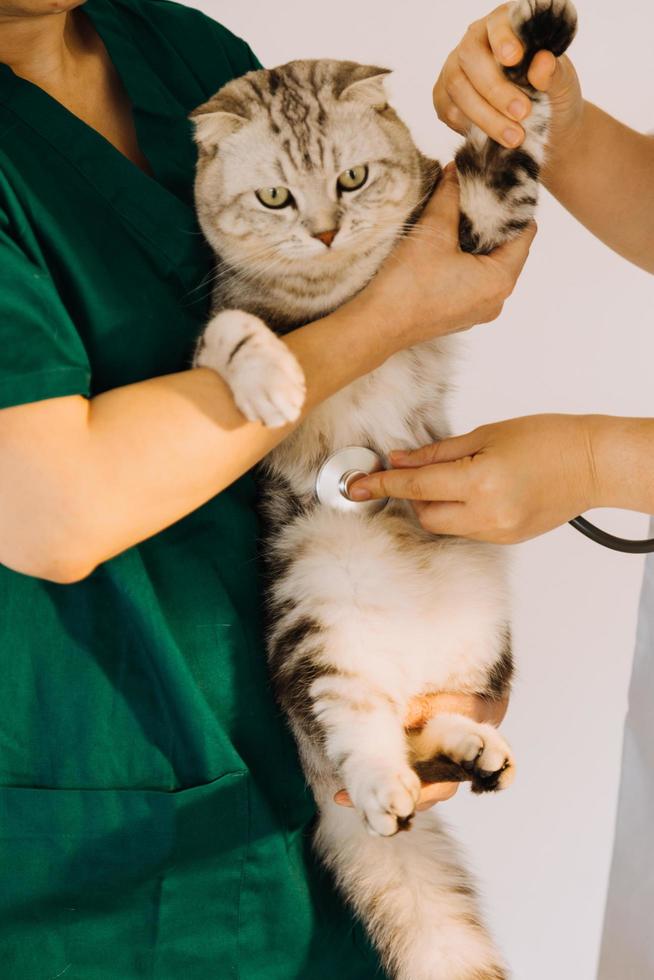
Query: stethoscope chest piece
<point x="337" y="474"/>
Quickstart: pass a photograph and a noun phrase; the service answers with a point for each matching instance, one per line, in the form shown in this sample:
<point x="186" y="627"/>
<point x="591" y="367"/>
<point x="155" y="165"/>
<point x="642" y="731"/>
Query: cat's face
<point x="304" y="166"/>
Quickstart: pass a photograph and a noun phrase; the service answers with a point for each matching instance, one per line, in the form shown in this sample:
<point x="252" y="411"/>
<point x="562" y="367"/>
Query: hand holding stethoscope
<point x="514" y="480"/>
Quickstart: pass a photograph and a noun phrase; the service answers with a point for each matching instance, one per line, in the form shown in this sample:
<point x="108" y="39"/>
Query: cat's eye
<point x="353" y="179"/>
<point x="275" y="197"/>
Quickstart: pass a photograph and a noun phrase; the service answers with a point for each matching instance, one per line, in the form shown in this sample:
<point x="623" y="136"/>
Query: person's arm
<point x="599" y="169"/>
<point x="82" y="480"/>
<point x="514" y="480"/>
<point x="605" y="178"/>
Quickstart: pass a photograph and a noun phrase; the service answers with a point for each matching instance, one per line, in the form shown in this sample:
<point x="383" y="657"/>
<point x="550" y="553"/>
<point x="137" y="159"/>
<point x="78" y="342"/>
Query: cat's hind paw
<point x="265" y="377"/>
<point x="548" y="25"/>
<point x="476" y="748"/>
<point x="386" y="797"/>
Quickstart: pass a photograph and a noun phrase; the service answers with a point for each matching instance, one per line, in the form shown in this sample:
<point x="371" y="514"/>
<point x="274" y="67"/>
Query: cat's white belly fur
<point x="414" y="614"/>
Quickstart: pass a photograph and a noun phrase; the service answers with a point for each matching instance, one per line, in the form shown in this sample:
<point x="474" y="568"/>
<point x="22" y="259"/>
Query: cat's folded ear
<point x="363" y="84"/>
<point x="213" y="120"/>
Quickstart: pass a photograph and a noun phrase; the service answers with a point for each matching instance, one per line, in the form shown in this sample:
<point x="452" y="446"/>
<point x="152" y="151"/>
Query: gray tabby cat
<point x="306" y="178"/>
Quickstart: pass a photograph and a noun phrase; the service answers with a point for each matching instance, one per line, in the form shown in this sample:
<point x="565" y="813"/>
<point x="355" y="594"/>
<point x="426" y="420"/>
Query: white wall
<point x="577" y="336"/>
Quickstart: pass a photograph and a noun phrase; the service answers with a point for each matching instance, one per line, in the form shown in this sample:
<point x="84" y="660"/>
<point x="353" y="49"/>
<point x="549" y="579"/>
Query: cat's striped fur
<point x="365" y="612"/>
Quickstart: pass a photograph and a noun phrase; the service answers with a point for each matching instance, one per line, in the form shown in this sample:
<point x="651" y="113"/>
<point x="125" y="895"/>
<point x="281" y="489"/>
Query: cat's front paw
<point x="265" y="377"/>
<point x="386" y="797"/>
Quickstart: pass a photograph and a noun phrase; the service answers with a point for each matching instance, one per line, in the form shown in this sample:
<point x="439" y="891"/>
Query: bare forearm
<point x="164" y="447"/>
<point x="623" y="456"/>
<point x="114" y="470"/>
<point x="604" y="176"/>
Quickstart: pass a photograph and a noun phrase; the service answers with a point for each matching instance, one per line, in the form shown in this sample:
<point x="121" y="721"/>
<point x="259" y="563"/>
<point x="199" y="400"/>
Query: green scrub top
<point x="153" y="817"/>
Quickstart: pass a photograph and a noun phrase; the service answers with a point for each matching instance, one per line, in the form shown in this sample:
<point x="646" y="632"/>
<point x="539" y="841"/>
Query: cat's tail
<point x="499" y="186"/>
<point x="412" y="894"/>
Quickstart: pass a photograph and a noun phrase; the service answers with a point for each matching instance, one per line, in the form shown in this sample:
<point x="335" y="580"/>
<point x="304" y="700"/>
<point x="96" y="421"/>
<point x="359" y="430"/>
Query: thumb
<point x="514" y="253"/>
<point x="443" y="209"/>
<point x="445" y="451"/>
<point x="548" y="73"/>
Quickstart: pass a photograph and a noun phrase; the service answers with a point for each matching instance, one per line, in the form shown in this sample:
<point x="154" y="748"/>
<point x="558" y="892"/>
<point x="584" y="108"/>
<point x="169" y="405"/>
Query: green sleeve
<point x="41" y="353"/>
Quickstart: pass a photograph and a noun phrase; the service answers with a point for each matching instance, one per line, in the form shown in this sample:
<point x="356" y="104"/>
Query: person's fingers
<point x="473" y="105"/>
<point x="443" y="208"/>
<point x="447" y="481"/>
<point x="513" y="254"/>
<point x="482" y="70"/>
<point x="453" y="117"/>
<point x="446" y="110"/>
<point x="544" y="71"/>
<point x="479" y="708"/>
<point x="410" y="458"/>
<point x="433" y="793"/>
<point x="504" y="44"/>
<point x="451" y="518"/>
<point x="445" y="451"/>
<point x="494" y="712"/>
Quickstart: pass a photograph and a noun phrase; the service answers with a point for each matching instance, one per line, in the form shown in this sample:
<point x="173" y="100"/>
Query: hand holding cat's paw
<point x="516" y="41"/>
<point x="265" y="377"/>
<point x="386" y="797"/>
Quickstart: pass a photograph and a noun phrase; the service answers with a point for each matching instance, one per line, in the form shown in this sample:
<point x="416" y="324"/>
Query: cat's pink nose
<point x="327" y="237"/>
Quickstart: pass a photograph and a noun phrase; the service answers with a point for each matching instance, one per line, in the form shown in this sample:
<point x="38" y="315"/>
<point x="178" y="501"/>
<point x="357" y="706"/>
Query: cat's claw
<point x="265" y="377"/>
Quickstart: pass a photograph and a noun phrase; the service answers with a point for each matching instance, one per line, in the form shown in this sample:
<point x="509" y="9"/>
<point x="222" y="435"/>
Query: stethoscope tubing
<point x="625" y="545"/>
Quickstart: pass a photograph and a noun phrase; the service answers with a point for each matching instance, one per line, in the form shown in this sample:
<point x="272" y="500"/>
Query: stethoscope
<point x="342" y="468"/>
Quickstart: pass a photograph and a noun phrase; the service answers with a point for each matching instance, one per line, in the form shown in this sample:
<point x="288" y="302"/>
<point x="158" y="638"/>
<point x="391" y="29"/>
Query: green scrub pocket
<point x="104" y="884"/>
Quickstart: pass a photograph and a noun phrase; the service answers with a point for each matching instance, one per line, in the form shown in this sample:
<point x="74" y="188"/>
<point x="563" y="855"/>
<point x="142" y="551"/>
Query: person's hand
<point x="472" y="87"/>
<point x="428" y="287"/>
<point x="421" y="709"/>
<point x="504" y="482"/>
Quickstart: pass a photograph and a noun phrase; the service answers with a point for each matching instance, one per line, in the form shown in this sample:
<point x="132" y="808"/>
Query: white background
<point x="576" y="337"/>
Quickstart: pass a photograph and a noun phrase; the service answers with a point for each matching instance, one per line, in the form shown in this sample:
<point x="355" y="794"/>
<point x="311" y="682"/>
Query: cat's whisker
<point x="416" y="231"/>
<point x="252" y="274"/>
<point x="222" y="272"/>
